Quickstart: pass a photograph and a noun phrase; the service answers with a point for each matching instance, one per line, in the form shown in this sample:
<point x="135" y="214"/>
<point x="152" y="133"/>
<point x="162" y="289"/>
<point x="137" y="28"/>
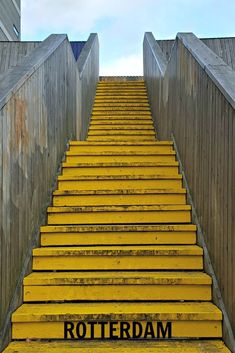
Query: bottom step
<point x="118" y="347"/>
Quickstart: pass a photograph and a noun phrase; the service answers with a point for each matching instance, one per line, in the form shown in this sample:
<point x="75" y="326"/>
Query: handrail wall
<point x="40" y="110"/>
<point x="88" y="68"/>
<point x="193" y="101"/>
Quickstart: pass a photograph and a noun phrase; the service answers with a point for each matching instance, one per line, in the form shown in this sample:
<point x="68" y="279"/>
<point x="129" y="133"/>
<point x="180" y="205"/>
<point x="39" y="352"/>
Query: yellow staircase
<point x="118" y="258"/>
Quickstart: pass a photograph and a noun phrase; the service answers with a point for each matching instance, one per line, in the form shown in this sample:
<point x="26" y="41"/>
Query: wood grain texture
<point x="12" y="53"/>
<point x="9" y="16"/>
<point x="39" y="111"/>
<point x="188" y="101"/>
<point x="223" y="47"/>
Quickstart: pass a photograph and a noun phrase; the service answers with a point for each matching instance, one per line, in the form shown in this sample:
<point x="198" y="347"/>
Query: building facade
<point x="10" y="17"/>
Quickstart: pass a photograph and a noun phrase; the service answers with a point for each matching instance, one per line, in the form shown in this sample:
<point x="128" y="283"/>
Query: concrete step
<point x="118" y="235"/>
<point x="119" y="168"/>
<point x="173" y="320"/>
<point x="128" y="144"/>
<point x="123" y="126"/>
<point x="117" y="286"/>
<point x="121" y="138"/>
<point x="129" y="257"/>
<point x="121" y="148"/>
<point x="123" y="117"/>
<point x="114" y="122"/>
<point x="119" y="214"/>
<point x="119" y="197"/>
<point x="122" y="157"/>
<point x="114" y="182"/>
<point x="127" y="346"/>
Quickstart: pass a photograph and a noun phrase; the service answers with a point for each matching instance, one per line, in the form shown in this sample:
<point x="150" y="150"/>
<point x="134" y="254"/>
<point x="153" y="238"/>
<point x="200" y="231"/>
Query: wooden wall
<point x="223" y="47"/>
<point x="39" y="113"/>
<point x="193" y="97"/>
<point x="9" y="16"/>
<point x="12" y="53"/>
<point x="88" y="68"/>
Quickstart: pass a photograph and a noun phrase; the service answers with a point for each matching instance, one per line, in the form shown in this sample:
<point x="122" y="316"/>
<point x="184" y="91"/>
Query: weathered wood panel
<point x="193" y="98"/>
<point x="39" y="112"/>
<point x="12" y="53"/>
<point x="9" y="17"/>
<point x="166" y="46"/>
<point x="223" y="47"/>
<point x="88" y="67"/>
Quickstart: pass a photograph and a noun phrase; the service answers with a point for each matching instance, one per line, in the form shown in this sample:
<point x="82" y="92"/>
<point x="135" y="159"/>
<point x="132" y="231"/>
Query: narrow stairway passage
<point x="119" y="268"/>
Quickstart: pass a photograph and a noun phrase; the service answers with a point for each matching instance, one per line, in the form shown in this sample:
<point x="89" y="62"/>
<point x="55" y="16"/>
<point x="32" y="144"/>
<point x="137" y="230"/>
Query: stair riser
<point x="120" y="238"/>
<point x="119" y="184"/>
<point x="78" y="263"/>
<point x="116" y="292"/>
<point x="119" y="171"/>
<point x="55" y="330"/>
<point x="95" y="200"/>
<point x="112" y="217"/>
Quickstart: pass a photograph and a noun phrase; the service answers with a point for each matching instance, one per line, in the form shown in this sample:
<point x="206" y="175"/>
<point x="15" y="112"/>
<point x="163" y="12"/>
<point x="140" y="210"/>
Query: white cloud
<point x="124" y="66"/>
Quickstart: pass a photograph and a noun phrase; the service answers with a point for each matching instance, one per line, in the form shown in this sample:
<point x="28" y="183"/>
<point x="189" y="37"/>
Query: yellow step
<point x="119" y="214"/>
<point x="122" y="131"/>
<point x="114" y="122"/>
<point x="186" y="320"/>
<point x="120" y="108"/>
<point x="121" y="138"/>
<point x="124" y="99"/>
<point x="121" y="93"/>
<point x="113" y="182"/>
<point x="115" y="104"/>
<point x="127" y="346"/>
<point x="119" y="197"/>
<point x="118" y="235"/>
<point x="119" y="168"/>
<point x="122" y="157"/>
<point x="123" y="144"/>
<point x="125" y="113"/>
<point x="123" y="126"/>
<point x="108" y="286"/>
<point x="120" y="148"/>
<point x="139" y="257"/>
<point x="122" y="117"/>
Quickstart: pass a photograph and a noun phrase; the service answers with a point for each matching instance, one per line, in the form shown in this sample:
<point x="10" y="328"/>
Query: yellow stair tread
<point x="119" y="228"/>
<point x="78" y="346"/>
<point x="118" y="143"/>
<point x="132" y="250"/>
<point x="120" y="153"/>
<point x="114" y="311"/>
<point x="119" y="192"/>
<point x="120" y="177"/>
<point x="121" y="164"/>
<point x="114" y="277"/>
<point x="111" y="208"/>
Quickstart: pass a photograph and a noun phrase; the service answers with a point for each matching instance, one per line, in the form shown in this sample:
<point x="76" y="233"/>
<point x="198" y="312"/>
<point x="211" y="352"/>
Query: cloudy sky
<point x="121" y="24"/>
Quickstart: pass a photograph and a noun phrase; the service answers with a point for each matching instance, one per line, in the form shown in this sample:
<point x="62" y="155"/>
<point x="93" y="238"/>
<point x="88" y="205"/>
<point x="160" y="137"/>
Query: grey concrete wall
<point x="192" y="98"/>
<point x="40" y="110"/>
<point x="9" y="17"/>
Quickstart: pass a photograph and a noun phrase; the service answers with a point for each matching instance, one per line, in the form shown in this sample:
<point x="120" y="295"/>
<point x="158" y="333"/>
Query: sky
<point x="121" y="24"/>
